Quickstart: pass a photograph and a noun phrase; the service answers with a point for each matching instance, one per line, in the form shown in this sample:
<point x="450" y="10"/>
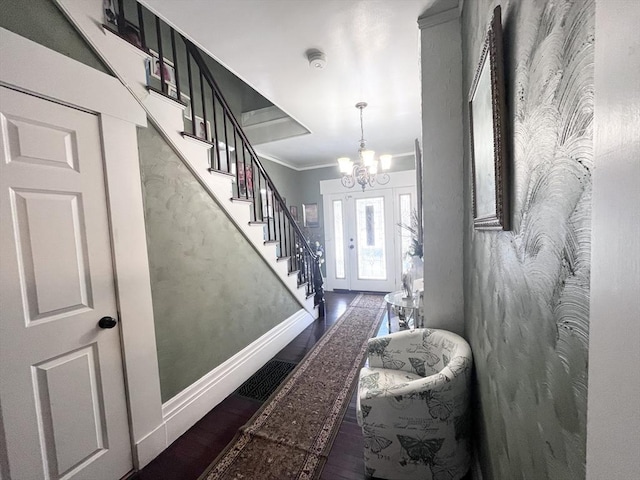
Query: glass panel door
<point x="360" y="246"/>
<point x="370" y="252"/>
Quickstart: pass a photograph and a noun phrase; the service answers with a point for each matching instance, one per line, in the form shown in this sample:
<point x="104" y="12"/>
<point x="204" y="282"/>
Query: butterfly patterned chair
<point x="413" y="406"/>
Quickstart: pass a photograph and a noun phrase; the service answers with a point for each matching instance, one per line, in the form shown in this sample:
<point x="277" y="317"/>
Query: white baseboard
<point x="150" y="446"/>
<point x="185" y="409"/>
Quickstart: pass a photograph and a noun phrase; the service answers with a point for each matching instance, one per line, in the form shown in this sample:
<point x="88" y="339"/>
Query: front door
<point x="62" y="395"/>
<point x="362" y="255"/>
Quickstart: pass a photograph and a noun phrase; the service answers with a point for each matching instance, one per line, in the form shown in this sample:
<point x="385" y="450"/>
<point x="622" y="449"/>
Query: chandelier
<point x="364" y="171"/>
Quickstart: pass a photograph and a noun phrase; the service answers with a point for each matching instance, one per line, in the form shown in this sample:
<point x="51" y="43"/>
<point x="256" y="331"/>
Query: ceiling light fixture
<point x="365" y="170"/>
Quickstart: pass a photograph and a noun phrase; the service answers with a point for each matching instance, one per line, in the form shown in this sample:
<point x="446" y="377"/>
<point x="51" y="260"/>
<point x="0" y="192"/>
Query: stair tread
<point x="165" y="108"/>
<point x="157" y="91"/>
<point x="115" y="32"/>
<point x="221" y="172"/>
<point x="241" y="199"/>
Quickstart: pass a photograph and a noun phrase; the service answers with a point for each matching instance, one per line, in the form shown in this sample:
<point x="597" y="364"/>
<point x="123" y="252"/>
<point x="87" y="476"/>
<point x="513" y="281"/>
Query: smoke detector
<point x="317" y="59"/>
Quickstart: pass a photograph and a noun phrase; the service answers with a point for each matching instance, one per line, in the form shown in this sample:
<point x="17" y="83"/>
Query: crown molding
<point x="316" y="167"/>
<point x="427" y="21"/>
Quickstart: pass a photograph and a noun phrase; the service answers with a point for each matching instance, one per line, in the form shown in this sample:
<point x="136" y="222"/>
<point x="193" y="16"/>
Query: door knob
<point x="351" y="247"/>
<point x="107" y="322"/>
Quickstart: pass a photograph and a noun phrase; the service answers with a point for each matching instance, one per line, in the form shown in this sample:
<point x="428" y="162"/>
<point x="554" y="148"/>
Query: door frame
<point x="76" y="85"/>
<point x="399" y="181"/>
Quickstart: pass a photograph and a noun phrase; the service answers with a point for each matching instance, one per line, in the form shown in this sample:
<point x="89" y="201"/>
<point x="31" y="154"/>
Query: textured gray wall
<point x="527" y="291"/>
<point x="42" y="22"/>
<point x="212" y="292"/>
<point x="303" y="187"/>
<point x="286" y="180"/>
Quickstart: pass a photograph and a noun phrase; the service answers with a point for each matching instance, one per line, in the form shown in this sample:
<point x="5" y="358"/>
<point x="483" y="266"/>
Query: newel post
<point x="318" y="286"/>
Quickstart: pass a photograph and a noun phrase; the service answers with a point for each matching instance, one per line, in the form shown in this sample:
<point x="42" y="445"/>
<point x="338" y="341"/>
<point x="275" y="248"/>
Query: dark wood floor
<point x="190" y="455"/>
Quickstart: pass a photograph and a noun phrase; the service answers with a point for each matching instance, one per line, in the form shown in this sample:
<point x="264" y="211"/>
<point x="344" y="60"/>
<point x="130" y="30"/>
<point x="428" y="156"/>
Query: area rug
<point x="291" y="435"/>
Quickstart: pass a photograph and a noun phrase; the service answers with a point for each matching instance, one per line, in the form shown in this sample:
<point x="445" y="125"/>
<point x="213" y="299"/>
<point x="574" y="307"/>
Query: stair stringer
<point x="127" y="62"/>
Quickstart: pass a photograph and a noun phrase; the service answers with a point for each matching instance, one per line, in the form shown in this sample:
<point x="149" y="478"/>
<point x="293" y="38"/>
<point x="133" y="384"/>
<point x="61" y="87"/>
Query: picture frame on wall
<point x="266" y="198"/>
<point x="487" y="126"/>
<point x="310" y="215"/>
<point x="201" y="131"/>
<point x="293" y="209"/>
<point x="110" y="14"/>
<point x="186" y="99"/>
<point x="154" y="68"/>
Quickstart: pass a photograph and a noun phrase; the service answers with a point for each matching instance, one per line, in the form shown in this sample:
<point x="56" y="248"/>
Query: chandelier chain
<point x="362" y="141"/>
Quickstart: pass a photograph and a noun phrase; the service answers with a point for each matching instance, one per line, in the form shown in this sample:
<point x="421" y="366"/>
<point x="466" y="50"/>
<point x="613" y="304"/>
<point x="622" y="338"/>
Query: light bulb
<point x="345" y="164"/>
<point x="385" y="162"/>
<point x="367" y="157"/>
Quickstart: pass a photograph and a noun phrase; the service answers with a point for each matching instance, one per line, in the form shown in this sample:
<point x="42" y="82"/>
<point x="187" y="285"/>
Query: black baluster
<point x="143" y="39"/>
<point x="238" y="168"/>
<point x="235" y="145"/>
<point x="216" y="143"/>
<point x="193" y="113"/>
<point x="163" y="80"/>
<point x="121" y="19"/>
<point x="175" y="63"/>
<point x="204" y="108"/>
<point x="226" y="139"/>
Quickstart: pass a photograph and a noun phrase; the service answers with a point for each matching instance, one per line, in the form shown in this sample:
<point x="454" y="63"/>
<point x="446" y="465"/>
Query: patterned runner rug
<point x="291" y="435"/>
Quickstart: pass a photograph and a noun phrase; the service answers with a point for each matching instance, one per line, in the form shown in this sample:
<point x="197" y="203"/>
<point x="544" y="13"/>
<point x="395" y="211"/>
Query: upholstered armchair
<point x="413" y="406"/>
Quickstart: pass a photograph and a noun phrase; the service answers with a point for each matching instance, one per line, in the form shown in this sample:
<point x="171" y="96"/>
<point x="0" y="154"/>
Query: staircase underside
<point x="127" y="62"/>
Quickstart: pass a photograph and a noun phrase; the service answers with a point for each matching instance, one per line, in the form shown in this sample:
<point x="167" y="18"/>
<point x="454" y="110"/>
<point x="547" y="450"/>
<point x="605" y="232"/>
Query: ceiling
<point x="372" y="54"/>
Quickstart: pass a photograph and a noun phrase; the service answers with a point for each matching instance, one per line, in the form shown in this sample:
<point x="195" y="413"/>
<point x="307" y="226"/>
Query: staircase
<point x="169" y="77"/>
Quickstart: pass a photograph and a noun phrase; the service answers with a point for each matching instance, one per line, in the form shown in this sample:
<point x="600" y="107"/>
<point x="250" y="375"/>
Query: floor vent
<point x="266" y="380"/>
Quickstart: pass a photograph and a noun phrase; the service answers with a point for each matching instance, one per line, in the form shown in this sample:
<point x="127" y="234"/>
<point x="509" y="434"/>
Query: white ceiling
<point x="372" y="50"/>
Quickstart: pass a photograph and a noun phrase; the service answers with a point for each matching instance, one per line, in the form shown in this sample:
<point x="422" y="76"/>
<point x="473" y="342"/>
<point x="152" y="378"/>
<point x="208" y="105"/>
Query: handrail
<point x="280" y="226"/>
<point x="195" y="53"/>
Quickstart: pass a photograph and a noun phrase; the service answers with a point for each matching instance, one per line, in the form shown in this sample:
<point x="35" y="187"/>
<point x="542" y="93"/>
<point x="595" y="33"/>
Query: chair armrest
<point x="407" y="350"/>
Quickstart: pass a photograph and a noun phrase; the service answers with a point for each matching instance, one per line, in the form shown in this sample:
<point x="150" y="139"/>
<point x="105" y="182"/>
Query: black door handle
<point x="107" y="322"/>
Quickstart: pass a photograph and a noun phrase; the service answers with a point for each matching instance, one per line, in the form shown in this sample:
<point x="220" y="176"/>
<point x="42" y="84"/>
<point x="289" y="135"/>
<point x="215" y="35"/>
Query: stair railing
<point x="213" y="122"/>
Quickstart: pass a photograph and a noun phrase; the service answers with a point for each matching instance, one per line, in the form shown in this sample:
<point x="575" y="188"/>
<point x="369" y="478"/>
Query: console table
<point x="411" y="305"/>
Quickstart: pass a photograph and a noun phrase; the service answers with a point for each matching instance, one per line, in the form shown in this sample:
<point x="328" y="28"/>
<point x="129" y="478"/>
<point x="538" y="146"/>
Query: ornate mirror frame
<point x="488" y="134"/>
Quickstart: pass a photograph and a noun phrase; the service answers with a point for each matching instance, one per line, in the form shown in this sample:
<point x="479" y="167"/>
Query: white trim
<point x="87" y="17"/>
<point x="316" y="167"/>
<point x="148" y="447"/>
<point x="613" y="410"/>
<point x="330" y="190"/>
<point x="276" y="160"/>
<point x="427" y="21"/>
<point x="28" y="74"/>
<point x="74" y="84"/>
<point x="133" y="283"/>
<point x="185" y="409"/>
<point x="141" y="53"/>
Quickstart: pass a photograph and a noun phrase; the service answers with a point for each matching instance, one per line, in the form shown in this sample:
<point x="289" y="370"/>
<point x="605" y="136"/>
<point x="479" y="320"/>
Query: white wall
<point x="613" y="416"/>
<point x="442" y="159"/>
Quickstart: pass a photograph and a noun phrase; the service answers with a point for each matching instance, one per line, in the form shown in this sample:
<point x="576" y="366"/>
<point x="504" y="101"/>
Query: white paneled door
<point x="362" y="255"/>
<point x="62" y="395"/>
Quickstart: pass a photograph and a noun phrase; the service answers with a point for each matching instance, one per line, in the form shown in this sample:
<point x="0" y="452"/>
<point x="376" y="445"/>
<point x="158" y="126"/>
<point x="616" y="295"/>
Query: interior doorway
<point x="364" y="245"/>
